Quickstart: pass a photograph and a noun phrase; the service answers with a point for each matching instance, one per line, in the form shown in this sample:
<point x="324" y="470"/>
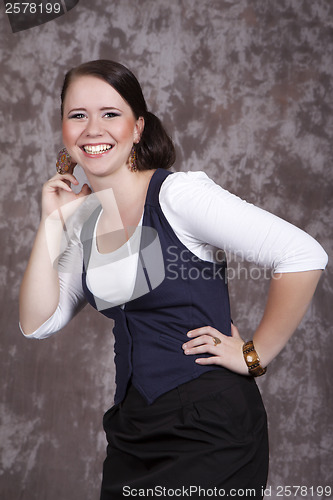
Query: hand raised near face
<point x="58" y="198"/>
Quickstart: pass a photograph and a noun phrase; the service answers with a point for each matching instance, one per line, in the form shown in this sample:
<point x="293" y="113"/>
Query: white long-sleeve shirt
<point x="205" y="217"/>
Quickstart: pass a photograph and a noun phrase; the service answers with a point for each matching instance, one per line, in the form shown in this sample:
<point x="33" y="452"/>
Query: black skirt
<point x="206" y="438"/>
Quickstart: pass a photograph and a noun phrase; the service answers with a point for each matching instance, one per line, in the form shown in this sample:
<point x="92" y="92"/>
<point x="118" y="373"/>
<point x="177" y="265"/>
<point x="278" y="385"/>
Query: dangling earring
<point x="132" y="165"/>
<point x="64" y="162"/>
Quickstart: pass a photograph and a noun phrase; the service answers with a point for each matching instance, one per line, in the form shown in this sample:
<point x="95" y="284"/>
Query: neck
<point x="124" y="190"/>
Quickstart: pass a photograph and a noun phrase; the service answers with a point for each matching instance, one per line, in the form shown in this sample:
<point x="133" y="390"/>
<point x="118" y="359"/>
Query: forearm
<point x="39" y="293"/>
<point x="288" y="299"/>
<point x="40" y="289"/>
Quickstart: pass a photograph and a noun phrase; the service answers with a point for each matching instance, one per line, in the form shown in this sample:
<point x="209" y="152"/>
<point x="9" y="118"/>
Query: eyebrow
<point x="104" y="108"/>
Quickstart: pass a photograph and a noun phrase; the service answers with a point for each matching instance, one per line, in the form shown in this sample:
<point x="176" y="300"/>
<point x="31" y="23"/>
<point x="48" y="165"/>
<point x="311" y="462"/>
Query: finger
<point x="58" y="183"/>
<point x="214" y="360"/>
<point x="213" y="336"/>
<point x="200" y="340"/>
<point x="204" y="330"/>
<point x="203" y="349"/>
<point x="67" y="177"/>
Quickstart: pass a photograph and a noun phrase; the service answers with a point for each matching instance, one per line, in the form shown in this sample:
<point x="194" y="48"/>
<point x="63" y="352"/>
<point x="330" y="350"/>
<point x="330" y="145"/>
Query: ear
<point x="138" y="129"/>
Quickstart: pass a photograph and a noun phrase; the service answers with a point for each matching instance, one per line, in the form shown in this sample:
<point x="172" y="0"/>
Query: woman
<point x="187" y="416"/>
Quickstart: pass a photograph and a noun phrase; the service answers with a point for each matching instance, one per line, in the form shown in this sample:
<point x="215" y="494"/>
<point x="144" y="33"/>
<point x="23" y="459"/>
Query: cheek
<point x="125" y="130"/>
<point x="67" y="134"/>
<point x="69" y="138"/>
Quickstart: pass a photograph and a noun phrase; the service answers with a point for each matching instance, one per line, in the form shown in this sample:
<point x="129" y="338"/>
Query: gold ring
<point x="216" y="340"/>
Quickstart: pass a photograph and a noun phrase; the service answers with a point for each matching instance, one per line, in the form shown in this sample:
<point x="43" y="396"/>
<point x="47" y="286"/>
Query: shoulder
<point x="182" y="180"/>
<point x="182" y="185"/>
<point x="188" y="190"/>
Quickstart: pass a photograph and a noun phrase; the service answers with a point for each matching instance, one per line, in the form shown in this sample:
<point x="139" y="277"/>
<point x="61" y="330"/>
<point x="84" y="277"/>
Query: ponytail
<point x="155" y="149"/>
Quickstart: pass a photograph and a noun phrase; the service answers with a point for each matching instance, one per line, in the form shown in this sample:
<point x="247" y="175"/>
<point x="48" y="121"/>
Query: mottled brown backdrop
<point x="245" y="88"/>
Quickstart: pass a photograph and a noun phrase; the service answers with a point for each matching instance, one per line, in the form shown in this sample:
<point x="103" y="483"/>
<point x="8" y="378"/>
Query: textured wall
<point x="245" y="88"/>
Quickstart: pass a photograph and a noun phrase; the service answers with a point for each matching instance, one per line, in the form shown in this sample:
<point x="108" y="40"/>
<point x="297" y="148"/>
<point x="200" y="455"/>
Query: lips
<point x="96" y="149"/>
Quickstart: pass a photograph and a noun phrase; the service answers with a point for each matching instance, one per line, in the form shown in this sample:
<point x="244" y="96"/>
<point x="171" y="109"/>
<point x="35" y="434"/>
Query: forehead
<point x="85" y="91"/>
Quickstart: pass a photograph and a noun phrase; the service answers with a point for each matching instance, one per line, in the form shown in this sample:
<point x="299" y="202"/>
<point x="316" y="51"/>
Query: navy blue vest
<point x="175" y="292"/>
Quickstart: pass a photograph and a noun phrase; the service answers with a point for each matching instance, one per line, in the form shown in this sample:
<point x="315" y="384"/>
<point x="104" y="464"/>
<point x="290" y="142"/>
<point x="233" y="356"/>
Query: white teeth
<point x="98" y="149"/>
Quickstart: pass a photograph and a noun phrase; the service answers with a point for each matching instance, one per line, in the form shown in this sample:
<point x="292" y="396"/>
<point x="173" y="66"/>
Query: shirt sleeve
<point x="202" y="212"/>
<point x="71" y="298"/>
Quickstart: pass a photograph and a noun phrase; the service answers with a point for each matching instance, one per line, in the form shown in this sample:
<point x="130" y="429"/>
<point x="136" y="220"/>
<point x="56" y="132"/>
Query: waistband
<point x="203" y="387"/>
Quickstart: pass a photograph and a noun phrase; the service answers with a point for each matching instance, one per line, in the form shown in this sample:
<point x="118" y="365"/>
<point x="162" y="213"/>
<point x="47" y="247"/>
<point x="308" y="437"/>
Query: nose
<point x="93" y="127"/>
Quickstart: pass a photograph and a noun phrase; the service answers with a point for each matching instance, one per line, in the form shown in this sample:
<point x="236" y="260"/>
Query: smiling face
<point x="99" y="127"/>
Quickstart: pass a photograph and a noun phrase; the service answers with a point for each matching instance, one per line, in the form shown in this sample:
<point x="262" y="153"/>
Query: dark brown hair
<point x="155" y="149"/>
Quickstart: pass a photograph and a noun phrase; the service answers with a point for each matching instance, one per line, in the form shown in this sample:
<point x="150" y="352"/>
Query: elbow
<point x="38" y="328"/>
<point x="305" y="259"/>
<point x="27" y="323"/>
<point x="25" y="330"/>
<point x="41" y="332"/>
<point x="319" y="256"/>
<point x="324" y="258"/>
